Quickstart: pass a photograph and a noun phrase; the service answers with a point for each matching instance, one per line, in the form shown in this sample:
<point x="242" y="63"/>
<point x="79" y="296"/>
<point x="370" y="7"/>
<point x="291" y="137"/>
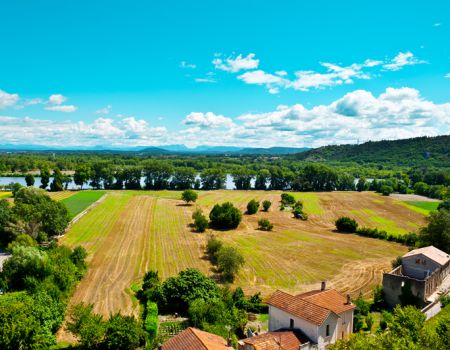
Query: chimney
<point x="323" y="286"/>
<point x="349" y="301"/>
<point x="229" y="342"/>
<point x="160" y="346"/>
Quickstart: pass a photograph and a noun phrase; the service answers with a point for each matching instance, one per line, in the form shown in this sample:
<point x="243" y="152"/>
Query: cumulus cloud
<point x="205" y="80"/>
<point x="207" y="120"/>
<point x="105" y="131"/>
<point x="401" y="60"/>
<point x="62" y="108"/>
<point x="57" y="99"/>
<point x="7" y="100"/>
<point x="447" y="75"/>
<point x="357" y="116"/>
<point x="236" y="64"/>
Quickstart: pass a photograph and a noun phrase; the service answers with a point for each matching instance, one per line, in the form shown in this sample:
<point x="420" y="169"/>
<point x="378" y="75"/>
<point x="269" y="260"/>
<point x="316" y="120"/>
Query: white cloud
<point x="207" y="120"/>
<point x="205" y="80"/>
<point x="104" y="111"/>
<point x="305" y="80"/>
<point x="447" y="75"/>
<point x="358" y="115"/>
<point x="57" y="99"/>
<point x="62" y="108"/>
<point x="7" y="100"/>
<point x="236" y="64"/>
<point x="184" y="64"/>
<point x="437" y="24"/>
<point x="401" y="60"/>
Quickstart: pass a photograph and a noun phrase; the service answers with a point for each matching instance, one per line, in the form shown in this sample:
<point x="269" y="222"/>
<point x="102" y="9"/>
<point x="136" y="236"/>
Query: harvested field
<point x="59" y="196"/>
<point x="131" y="232"/>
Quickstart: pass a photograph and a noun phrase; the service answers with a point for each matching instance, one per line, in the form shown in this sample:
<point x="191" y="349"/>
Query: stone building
<point x="422" y="270"/>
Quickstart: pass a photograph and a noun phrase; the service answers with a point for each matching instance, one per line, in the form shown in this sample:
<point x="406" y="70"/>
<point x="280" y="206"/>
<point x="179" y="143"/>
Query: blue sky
<point x="245" y="73"/>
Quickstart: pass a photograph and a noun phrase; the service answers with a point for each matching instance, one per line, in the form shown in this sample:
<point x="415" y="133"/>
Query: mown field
<point x="131" y="232"/>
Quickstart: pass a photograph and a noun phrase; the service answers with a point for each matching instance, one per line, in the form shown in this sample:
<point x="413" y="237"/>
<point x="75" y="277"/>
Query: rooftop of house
<point x="432" y="253"/>
<point x="314" y="306"/>
<point x="195" y="339"/>
<point x="279" y="340"/>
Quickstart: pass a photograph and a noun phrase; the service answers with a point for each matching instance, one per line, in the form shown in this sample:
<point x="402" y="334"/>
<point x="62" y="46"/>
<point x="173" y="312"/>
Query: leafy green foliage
<point x="213" y="247"/>
<point x="265" y="225"/>
<point x="345" y="224"/>
<point x="266" y="205"/>
<point x="229" y="261"/>
<point x="225" y="216"/>
<point x="189" y="196"/>
<point x="200" y="221"/>
<point x="151" y="320"/>
<point x="444" y="205"/>
<point x="437" y="232"/>
<point x="252" y="207"/>
<point x="287" y="199"/>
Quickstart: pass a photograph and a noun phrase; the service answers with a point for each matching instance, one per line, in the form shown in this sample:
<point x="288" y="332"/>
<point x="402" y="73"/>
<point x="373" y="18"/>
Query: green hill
<point x="433" y="151"/>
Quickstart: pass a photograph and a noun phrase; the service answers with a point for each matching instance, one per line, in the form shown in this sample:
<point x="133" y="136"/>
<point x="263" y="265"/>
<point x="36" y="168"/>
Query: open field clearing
<point x="4" y="195"/>
<point x="81" y="200"/>
<point x="131" y="232"/>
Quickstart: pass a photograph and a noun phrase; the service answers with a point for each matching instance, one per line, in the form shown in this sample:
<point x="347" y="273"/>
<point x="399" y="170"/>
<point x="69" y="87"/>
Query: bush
<point x="265" y="225"/>
<point x="287" y="199"/>
<point x="212" y="248"/>
<point x="396" y="262"/>
<point x="151" y="320"/>
<point x="229" y="261"/>
<point x="345" y="224"/>
<point x="225" y="216"/>
<point x="200" y="221"/>
<point x="386" y="190"/>
<point x="252" y="207"/>
<point x="189" y="196"/>
<point x="266" y="205"/>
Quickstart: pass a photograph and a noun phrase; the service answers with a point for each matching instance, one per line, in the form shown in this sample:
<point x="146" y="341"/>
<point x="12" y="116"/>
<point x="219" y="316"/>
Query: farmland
<point x="80" y="201"/>
<point x="131" y="232"/>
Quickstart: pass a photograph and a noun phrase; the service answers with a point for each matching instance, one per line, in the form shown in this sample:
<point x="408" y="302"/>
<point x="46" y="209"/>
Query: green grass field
<point x="423" y="207"/>
<point x="81" y="200"/>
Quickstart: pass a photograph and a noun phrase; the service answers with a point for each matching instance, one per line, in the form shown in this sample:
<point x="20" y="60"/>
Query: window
<point x="291" y="323"/>
<point x="327" y="331"/>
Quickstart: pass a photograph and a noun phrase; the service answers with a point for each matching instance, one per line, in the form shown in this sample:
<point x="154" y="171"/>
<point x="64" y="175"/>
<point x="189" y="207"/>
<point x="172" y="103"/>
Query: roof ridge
<point x="196" y="335"/>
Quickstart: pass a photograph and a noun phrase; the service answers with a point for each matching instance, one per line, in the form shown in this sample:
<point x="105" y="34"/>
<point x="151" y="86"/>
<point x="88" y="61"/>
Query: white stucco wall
<point x="281" y="319"/>
<point x="344" y="323"/>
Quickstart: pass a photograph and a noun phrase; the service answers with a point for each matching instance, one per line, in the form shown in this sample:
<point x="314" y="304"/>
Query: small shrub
<point x="252" y="207"/>
<point x="369" y="322"/>
<point x="287" y="199"/>
<point x="212" y="248"/>
<point x="229" y="261"/>
<point x="265" y="225"/>
<point x="266" y="205"/>
<point x="201" y="223"/>
<point x="396" y="262"/>
<point x="386" y="190"/>
<point x="445" y="300"/>
<point x="225" y="216"/>
<point x="189" y="196"/>
<point x="345" y="224"/>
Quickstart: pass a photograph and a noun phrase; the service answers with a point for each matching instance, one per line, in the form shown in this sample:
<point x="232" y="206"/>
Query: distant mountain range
<point x="169" y="149"/>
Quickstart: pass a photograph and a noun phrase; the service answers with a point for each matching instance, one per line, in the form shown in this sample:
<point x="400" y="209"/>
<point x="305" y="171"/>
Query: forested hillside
<point x="408" y="152"/>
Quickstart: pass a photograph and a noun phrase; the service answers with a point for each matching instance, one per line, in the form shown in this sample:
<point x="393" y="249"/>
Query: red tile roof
<point x="313" y="306"/>
<point x="195" y="339"/>
<point x="280" y="340"/>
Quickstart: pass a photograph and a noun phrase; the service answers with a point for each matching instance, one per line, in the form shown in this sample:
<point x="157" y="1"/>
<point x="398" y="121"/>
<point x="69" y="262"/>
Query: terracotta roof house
<point x="195" y="339"/>
<point x="324" y="316"/>
<point x="280" y="340"/>
<point x="426" y="271"/>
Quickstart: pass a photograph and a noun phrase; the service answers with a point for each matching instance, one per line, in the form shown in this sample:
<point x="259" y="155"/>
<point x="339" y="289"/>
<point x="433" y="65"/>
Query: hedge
<point x="151" y="320"/>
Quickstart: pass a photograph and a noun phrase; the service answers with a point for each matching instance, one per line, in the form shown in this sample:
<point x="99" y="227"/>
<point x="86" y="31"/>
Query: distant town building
<point x="313" y="319"/>
<point x="425" y="271"/>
